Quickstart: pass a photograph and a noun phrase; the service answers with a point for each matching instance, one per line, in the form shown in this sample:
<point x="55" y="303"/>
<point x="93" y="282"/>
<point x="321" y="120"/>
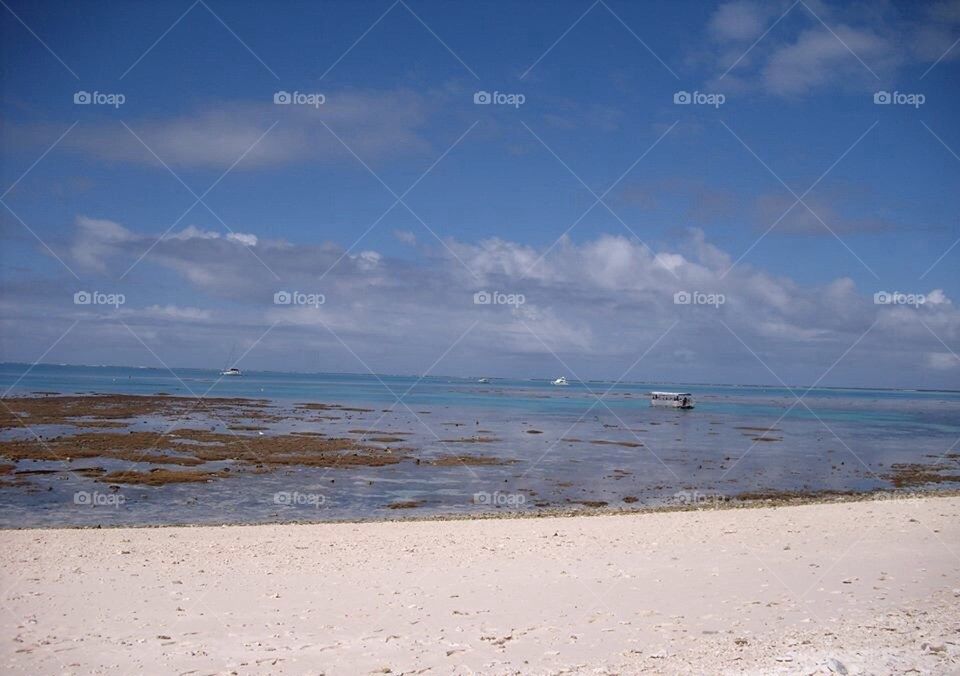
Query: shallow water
<point x="834" y="440"/>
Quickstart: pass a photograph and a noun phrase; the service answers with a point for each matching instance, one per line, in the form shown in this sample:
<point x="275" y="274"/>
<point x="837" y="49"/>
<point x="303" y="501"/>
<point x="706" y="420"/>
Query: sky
<point x="737" y="192"/>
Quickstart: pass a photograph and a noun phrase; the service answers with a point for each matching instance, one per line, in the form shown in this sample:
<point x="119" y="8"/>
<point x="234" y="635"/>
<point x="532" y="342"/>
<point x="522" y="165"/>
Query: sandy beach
<point x="853" y="587"/>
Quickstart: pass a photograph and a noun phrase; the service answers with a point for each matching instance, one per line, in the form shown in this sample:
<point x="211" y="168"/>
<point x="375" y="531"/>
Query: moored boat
<point x="674" y="399"/>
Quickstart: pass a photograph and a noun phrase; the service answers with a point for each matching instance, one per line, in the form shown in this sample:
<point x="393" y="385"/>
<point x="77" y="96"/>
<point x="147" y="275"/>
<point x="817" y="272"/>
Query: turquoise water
<point x="841" y="439"/>
<point x="876" y="407"/>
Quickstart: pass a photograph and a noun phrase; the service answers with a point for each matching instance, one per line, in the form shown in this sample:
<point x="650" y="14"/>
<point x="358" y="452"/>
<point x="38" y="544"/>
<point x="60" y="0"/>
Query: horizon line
<point x="778" y="386"/>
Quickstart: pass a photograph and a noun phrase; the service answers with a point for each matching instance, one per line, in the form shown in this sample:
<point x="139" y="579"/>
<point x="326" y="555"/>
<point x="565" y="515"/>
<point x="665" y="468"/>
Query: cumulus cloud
<point x="595" y="305"/>
<point x="242" y="238"/>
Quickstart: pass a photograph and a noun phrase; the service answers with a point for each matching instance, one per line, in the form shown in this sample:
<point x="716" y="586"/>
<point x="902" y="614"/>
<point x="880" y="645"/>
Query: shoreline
<point x="843" y="587"/>
<point x="774" y="502"/>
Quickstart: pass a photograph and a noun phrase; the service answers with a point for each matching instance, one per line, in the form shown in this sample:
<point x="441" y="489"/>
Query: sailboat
<point x="231" y="370"/>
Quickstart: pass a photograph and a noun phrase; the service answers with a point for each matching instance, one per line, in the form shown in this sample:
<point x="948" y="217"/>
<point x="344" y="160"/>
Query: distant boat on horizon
<point x="674" y="399"/>
<point x="559" y="381"/>
<point x="231" y="370"/>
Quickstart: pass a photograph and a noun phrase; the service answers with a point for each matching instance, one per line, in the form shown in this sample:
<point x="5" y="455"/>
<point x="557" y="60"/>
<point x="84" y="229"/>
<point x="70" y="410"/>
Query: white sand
<point x="861" y="586"/>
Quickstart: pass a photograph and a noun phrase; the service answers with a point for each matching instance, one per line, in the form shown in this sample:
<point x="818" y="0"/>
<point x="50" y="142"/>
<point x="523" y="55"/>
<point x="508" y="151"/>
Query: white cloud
<point x="739" y="20"/>
<point x="937" y="297"/>
<point x="375" y="124"/>
<point x="800" y="55"/>
<point x="943" y="361"/>
<point x="242" y="238"/>
<point x="368" y="260"/>
<point x="96" y="239"/>
<point x="596" y="304"/>
<point x="173" y="312"/>
<point x="818" y="57"/>
<point x="405" y="236"/>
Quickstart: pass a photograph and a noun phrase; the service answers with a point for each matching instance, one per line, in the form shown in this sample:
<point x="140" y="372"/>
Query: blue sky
<point x="699" y="195"/>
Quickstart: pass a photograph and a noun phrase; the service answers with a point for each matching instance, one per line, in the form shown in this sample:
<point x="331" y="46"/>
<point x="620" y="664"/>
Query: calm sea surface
<point x="835" y="439"/>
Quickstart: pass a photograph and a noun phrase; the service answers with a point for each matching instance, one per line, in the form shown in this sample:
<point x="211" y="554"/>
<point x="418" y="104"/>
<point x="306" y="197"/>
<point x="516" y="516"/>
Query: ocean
<point x="584" y="445"/>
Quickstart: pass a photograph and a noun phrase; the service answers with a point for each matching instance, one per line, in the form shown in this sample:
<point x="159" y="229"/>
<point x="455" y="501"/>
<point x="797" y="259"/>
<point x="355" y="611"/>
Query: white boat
<point x="674" y="399"/>
<point x="559" y="381"/>
<point x="484" y="380"/>
<point x="231" y="370"/>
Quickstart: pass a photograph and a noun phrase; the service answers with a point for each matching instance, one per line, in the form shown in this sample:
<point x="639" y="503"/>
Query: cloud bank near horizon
<point x="587" y="309"/>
